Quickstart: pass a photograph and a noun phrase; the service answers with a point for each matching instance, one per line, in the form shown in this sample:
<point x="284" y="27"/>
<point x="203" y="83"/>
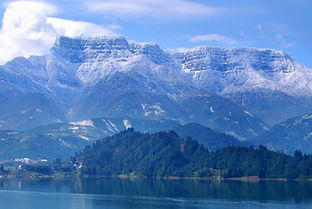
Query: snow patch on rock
<point x="83" y="123"/>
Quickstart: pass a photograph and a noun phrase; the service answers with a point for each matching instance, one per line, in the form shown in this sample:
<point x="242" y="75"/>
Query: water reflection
<point x="227" y="190"/>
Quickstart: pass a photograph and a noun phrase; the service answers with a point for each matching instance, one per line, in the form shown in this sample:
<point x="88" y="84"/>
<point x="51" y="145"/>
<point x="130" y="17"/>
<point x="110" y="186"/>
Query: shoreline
<point x="249" y="179"/>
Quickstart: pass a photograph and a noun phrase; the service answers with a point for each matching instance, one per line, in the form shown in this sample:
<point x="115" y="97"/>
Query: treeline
<point x="164" y="154"/>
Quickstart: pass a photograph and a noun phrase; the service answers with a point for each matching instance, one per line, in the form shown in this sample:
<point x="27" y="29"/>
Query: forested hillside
<point x="164" y="154"/>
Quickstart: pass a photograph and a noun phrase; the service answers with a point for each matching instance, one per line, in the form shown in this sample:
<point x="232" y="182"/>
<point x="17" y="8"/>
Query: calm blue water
<point x="148" y="194"/>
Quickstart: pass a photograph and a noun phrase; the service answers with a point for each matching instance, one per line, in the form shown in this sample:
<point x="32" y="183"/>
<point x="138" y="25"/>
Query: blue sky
<point x="279" y="24"/>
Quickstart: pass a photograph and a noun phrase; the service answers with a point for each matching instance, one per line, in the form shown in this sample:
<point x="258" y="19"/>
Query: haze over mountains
<point x="238" y="91"/>
<point x="290" y="135"/>
<point x="62" y="140"/>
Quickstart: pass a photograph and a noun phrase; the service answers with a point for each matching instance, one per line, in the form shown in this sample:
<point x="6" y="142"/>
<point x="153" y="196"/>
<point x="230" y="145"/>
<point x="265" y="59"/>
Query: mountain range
<point x="242" y="92"/>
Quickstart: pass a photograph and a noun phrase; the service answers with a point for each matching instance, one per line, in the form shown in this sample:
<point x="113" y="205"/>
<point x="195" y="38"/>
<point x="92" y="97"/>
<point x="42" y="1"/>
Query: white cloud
<point x="289" y="45"/>
<point x="28" y="29"/>
<point x="72" y="28"/>
<point x="153" y="8"/>
<point x="284" y="42"/>
<point x="177" y="50"/>
<point x="259" y="27"/>
<point x="213" y="37"/>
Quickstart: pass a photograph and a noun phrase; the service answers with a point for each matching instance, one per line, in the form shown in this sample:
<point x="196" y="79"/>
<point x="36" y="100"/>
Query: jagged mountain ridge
<point x="95" y="77"/>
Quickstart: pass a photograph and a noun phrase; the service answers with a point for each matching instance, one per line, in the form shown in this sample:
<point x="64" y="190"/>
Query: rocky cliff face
<point x="264" y="81"/>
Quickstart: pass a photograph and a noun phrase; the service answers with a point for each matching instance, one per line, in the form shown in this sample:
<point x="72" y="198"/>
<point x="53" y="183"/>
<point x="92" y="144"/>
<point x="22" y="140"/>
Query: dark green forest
<point x="164" y="154"/>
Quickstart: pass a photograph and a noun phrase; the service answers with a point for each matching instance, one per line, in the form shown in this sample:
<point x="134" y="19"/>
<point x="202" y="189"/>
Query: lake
<point x="117" y="193"/>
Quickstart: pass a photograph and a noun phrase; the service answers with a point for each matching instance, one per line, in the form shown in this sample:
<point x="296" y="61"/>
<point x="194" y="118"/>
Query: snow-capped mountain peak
<point x="110" y="76"/>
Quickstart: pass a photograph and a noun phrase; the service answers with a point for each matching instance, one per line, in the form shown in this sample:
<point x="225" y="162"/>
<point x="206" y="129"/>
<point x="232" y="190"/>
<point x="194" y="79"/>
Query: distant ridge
<point x="62" y="140"/>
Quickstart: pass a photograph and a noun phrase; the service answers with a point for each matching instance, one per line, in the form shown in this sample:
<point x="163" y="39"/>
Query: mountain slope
<point x="211" y="140"/>
<point x="293" y="134"/>
<point x="223" y="115"/>
<point x="23" y="107"/>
